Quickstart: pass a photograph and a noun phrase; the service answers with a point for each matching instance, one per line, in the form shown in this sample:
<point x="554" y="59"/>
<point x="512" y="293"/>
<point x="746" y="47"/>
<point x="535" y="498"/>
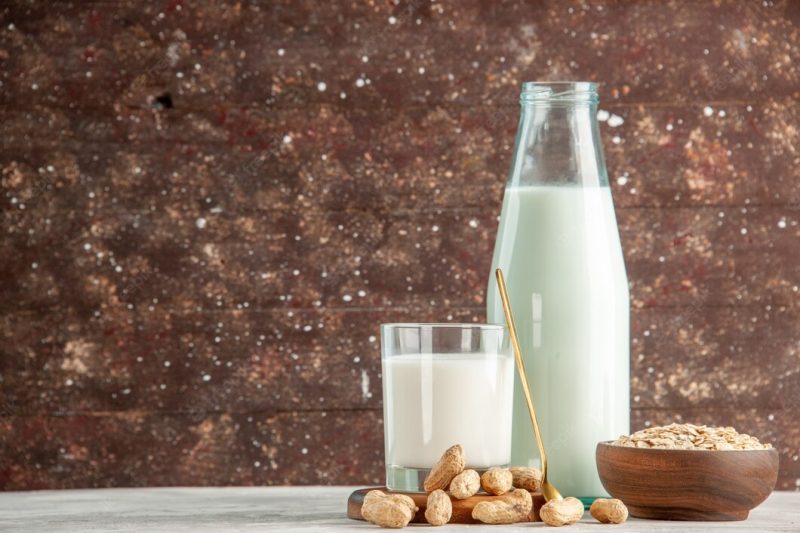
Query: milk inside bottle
<point x="559" y="247"/>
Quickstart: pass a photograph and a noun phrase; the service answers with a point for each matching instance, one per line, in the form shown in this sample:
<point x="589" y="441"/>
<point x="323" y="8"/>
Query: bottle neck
<point x="558" y="141"/>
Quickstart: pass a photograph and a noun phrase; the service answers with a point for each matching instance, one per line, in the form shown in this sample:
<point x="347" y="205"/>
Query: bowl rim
<point x="609" y="443"/>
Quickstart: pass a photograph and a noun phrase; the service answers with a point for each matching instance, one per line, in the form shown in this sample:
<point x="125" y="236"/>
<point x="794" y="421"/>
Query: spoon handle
<point x="523" y="377"/>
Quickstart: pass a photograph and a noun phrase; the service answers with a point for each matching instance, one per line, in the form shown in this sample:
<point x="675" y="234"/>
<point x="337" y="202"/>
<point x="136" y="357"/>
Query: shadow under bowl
<point x="687" y="484"/>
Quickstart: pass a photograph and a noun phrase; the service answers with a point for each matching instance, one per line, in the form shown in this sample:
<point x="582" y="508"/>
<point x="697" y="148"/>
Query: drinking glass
<point x="444" y="384"/>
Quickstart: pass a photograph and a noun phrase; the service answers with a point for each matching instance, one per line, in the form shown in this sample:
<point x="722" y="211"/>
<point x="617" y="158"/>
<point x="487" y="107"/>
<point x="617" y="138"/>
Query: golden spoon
<point x="548" y="490"/>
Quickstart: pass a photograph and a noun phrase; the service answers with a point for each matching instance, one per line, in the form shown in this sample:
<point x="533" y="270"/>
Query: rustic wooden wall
<point x="209" y="207"/>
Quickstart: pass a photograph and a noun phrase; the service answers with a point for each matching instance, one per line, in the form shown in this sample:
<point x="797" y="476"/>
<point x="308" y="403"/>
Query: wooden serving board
<point x="462" y="509"/>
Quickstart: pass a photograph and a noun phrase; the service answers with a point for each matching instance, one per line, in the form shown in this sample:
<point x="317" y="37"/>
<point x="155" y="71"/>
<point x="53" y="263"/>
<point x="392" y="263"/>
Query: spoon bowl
<point x="549" y="491"/>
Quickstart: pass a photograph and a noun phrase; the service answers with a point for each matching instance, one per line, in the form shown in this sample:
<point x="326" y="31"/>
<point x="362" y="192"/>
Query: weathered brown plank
<point x="339" y="259"/>
<point x="337" y="158"/>
<point x="148" y="449"/>
<point x="675" y="257"/>
<point x="295" y="359"/>
<point x="151" y="449"/>
<point x="279" y="53"/>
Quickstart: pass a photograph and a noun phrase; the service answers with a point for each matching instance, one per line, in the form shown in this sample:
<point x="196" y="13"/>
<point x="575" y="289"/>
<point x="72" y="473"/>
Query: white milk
<point x="433" y="401"/>
<point x="559" y="248"/>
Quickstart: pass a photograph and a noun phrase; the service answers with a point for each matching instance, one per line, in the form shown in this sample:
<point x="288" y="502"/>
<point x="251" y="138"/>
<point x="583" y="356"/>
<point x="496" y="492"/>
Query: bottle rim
<point x="559" y="91"/>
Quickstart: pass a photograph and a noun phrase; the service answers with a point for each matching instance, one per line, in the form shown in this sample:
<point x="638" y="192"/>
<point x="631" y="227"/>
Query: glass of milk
<point x="444" y="384"/>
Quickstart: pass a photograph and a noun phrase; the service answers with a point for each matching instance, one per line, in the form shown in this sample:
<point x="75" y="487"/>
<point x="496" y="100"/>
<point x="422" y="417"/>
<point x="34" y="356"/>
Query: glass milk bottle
<point x="560" y="251"/>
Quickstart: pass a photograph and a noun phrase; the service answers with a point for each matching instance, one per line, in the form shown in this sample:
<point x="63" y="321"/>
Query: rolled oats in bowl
<point x="691" y="437"/>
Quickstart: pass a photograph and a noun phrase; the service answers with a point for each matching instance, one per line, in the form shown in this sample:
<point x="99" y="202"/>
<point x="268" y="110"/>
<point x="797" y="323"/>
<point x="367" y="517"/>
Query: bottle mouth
<point x="558" y="91"/>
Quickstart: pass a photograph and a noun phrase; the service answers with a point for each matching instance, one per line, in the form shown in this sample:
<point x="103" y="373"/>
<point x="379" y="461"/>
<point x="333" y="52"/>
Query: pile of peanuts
<point x="512" y="503"/>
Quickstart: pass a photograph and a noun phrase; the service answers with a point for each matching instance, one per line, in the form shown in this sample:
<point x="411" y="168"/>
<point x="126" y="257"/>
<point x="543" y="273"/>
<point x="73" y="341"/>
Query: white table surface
<point x="288" y="509"/>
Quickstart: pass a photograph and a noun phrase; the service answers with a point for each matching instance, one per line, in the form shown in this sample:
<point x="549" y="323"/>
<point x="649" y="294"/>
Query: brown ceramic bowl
<point x="687" y="484"/>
